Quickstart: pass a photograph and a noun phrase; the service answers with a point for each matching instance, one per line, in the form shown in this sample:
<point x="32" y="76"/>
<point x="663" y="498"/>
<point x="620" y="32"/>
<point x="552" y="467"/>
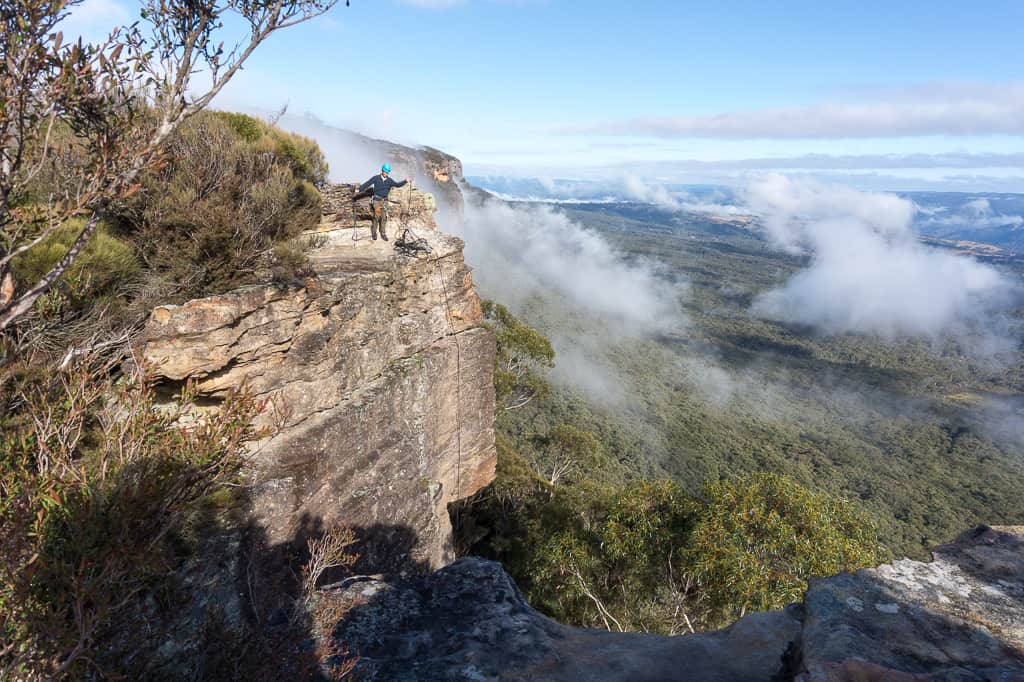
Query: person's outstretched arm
<point x="366" y="185"/>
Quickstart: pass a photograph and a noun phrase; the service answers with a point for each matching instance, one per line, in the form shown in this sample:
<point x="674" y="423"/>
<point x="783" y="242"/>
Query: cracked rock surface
<point x="470" y="622"/>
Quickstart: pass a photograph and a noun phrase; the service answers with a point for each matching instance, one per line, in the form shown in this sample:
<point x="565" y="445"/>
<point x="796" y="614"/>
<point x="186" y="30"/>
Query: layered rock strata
<point x="379" y="377"/>
<point x="959" y="617"/>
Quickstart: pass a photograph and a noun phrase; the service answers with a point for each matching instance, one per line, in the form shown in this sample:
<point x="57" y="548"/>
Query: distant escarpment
<point x="378" y="376"/>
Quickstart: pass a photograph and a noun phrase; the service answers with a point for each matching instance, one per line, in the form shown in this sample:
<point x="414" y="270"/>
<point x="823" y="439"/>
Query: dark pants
<point x="379" y="217"/>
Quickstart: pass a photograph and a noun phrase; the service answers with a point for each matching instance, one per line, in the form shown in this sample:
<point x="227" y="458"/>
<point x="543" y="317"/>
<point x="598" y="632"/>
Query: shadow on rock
<point x="959" y="617"/>
<point x="245" y="612"/>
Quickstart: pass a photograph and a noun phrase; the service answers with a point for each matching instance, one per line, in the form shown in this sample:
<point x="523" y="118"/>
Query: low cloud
<point x="521" y="251"/>
<point x="525" y="254"/>
<point x="868" y="272"/>
<point x="832" y="162"/>
<point x="350" y="157"/>
<point x="975" y="214"/>
<point x="626" y="188"/>
<point x="933" y="109"/>
<point x="714" y="202"/>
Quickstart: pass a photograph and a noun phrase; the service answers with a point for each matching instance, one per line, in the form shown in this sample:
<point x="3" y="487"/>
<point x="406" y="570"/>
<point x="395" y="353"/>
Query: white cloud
<point x="662" y="197"/>
<point x="974" y="214"/>
<point x="593" y="297"/>
<point x="520" y="251"/>
<point x="868" y="272"/>
<point x="979" y="213"/>
<point x="934" y="109"/>
<point x="793" y="210"/>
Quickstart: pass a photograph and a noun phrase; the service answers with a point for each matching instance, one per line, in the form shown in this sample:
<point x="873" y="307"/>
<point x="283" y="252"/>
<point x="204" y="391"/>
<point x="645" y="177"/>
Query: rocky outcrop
<point x="436" y="170"/>
<point x="379" y="377"/>
<point x="959" y="617"/>
<point x="470" y="622"/>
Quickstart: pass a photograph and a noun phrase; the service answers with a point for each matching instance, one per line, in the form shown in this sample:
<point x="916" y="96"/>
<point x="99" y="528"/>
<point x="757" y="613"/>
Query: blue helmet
<point x="385" y="168"/>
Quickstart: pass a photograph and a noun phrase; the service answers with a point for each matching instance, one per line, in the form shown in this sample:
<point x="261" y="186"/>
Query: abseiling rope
<point x="458" y="388"/>
<point x="354" y="237"/>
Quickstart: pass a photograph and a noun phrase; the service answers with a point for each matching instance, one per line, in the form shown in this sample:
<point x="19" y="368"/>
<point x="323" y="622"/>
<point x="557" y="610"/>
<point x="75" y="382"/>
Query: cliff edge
<point x="378" y="375"/>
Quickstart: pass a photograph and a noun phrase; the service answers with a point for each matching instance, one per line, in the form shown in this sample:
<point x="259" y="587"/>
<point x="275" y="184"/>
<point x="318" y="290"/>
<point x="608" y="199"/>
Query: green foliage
<point x="105" y="264"/>
<point x="880" y="422"/>
<point x="646" y="556"/>
<point x="96" y="487"/>
<point x="516" y="483"/>
<point x="522" y="353"/>
<point x="617" y="566"/>
<point x="591" y="547"/>
<point x="246" y="127"/>
<point x="302" y="154"/>
<point x="291" y="262"/>
<point x="212" y="218"/>
<point x="760" y="538"/>
<point x="569" y="452"/>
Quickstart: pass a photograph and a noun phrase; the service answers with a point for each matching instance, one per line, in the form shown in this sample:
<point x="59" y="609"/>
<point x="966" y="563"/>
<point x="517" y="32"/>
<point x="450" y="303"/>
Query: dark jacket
<point x="381" y="186"/>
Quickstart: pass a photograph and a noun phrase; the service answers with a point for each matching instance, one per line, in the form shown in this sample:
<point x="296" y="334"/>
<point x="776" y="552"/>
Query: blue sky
<point x="584" y="88"/>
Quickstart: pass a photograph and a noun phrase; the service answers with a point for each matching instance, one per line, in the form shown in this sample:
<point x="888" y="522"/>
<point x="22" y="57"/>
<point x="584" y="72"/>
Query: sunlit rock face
<point x="378" y="375"/>
<point x="958" y="617"/>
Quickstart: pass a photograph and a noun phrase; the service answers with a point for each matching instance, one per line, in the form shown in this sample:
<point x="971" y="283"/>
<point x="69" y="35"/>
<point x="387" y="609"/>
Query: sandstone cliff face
<point x="379" y="375"/>
<point x="959" y="617"/>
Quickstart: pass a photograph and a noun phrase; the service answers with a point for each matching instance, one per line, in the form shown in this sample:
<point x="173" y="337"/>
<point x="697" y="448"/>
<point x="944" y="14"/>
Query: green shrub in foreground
<point x="646" y="556"/>
<point x="761" y="537"/>
<point x="105" y="263"/>
<point x="96" y="489"/>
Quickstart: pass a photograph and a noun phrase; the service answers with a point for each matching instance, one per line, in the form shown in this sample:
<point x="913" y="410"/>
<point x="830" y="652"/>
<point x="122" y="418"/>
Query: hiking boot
<point x="383" y="236"/>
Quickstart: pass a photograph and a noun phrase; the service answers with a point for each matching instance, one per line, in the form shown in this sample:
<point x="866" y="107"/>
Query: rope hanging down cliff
<point x="411" y="244"/>
<point x="412" y="247"/>
<point x="458" y="388"/>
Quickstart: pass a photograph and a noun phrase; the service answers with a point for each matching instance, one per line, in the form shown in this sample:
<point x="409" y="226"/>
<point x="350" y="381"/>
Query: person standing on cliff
<point x="382" y="185"/>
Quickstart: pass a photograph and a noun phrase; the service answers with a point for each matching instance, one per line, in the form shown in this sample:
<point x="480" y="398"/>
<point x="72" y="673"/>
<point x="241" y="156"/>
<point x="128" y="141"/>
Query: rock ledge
<point x="959" y="617"/>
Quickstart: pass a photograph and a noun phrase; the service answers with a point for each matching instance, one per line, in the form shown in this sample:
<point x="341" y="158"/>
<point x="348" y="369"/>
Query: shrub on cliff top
<point x="104" y="263"/>
<point x="302" y="153"/>
<point x="234" y="187"/>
